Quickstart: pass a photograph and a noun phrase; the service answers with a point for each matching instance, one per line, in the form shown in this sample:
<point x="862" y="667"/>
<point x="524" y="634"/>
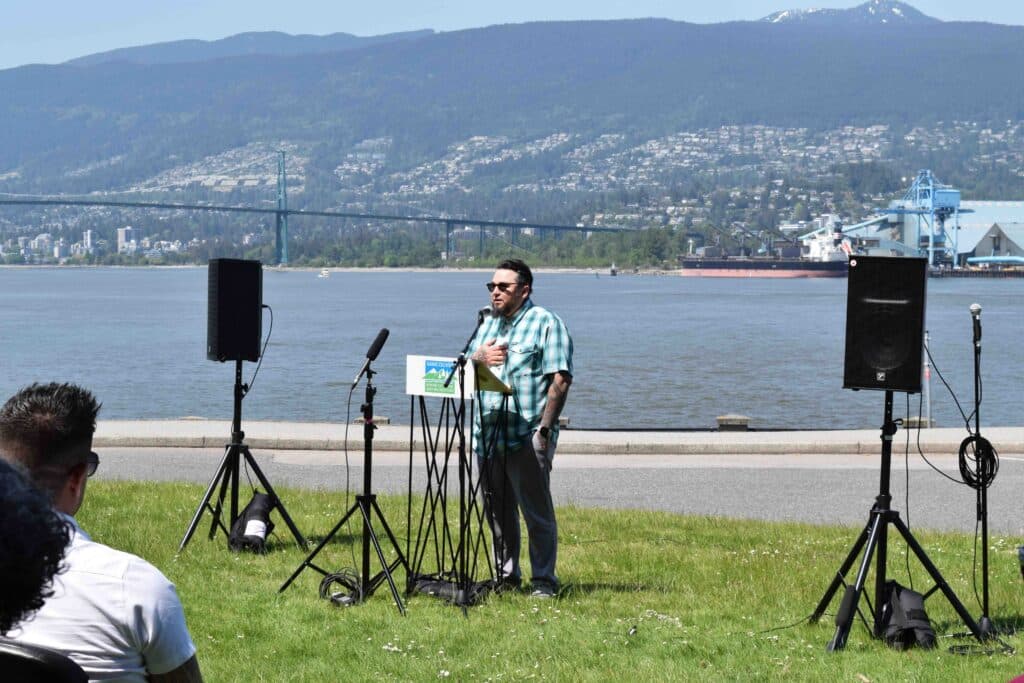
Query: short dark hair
<point x="33" y="538"/>
<point x="41" y="425"/>
<point x="521" y="269"/>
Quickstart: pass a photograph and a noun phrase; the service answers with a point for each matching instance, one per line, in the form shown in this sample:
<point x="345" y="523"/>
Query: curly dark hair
<point x="44" y="427"/>
<point x="33" y="538"/>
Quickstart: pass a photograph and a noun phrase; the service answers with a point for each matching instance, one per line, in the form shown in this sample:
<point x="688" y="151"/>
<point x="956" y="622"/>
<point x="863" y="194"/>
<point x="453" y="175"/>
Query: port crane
<point x="933" y="210"/>
<point x="932" y="204"/>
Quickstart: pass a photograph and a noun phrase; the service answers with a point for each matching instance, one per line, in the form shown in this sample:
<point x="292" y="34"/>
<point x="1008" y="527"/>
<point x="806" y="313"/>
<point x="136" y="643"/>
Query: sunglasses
<point x="502" y="286"/>
<point x="92" y="463"/>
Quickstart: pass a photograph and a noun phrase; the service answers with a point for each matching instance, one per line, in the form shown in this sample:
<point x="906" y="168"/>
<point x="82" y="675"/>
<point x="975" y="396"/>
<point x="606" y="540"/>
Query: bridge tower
<point x="448" y="243"/>
<point x="281" y="228"/>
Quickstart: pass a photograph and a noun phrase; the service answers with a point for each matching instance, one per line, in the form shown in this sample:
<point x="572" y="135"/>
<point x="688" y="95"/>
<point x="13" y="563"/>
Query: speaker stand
<point x="227" y="474"/>
<point x="873" y="538"/>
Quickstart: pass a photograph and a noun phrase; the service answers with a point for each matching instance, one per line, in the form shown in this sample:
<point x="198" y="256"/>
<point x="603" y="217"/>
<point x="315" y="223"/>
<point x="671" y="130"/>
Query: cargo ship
<point x="760" y="266"/>
<point x="827" y="256"/>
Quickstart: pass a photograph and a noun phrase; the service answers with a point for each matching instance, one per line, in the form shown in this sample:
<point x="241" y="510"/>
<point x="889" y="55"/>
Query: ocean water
<point x="650" y="351"/>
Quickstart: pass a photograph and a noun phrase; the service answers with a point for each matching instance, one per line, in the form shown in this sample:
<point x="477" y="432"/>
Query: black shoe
<point x="543" y="591"/>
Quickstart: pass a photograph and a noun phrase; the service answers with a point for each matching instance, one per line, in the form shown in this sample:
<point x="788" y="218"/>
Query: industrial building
<point x="991" y="229"/>
<point x="931" y="220"/>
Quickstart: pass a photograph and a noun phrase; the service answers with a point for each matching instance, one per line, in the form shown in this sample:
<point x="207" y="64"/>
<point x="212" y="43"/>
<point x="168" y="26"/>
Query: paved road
<point x="814" y="488"/>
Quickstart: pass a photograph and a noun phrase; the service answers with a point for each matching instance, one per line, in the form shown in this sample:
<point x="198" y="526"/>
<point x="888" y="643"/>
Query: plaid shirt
<point x="539" y="345"/>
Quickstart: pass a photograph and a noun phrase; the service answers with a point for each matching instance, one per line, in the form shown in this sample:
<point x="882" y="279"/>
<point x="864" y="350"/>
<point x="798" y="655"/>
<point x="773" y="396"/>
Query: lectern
<point x="451" y="551"/>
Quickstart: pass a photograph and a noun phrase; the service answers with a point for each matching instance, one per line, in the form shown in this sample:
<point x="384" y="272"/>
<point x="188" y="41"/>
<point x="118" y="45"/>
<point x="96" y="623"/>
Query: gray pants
<point x="518" y="481"/>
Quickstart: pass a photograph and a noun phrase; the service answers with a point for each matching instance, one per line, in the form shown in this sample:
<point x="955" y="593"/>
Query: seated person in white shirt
<point x="111" y="612"/>
<point x="32" y="542"/>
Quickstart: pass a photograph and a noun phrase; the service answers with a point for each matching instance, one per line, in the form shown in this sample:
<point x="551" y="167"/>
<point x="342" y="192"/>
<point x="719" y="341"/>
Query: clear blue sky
<point x="35" y="31"/>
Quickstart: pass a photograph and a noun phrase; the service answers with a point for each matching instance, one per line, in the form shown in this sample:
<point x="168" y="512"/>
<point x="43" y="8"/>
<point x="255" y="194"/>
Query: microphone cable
<point x="263" y="352"/>
<point x="348" y="472"/>
<point x="978" y="463"/>
<point x="906" y="476"/>
<point x="963" y="415"/>
<point x="348" y="579"/>
<point x="978" y="459"/>
<point x="252" y="380"/>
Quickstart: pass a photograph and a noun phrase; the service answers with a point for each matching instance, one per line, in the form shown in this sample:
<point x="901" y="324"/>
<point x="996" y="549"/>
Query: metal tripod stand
<point x="366" y="506"/>
<point x="227" y="474"/>
<point x="874" y="538"/>
<point x="457" y="550"/>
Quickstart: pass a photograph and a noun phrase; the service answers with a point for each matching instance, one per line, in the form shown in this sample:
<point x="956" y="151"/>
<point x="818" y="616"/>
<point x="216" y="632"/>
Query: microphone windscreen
<point x="378" y="343"/>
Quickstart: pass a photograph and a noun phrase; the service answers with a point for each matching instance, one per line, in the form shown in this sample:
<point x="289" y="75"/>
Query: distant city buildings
<point x="126" y="240"/>
<point x="732" y="177"/>
<point x="45" y="248"/>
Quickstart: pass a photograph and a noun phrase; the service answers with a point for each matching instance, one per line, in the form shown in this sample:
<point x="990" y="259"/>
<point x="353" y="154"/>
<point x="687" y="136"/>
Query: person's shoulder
<point x="544" y="315"/>
<point x="97" y="558"/>
<point x="538" y="311"/>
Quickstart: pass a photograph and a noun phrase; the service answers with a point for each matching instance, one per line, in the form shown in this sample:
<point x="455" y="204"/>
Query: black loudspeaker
<point x="885" y="323"/>
<point x="235" y="310"/>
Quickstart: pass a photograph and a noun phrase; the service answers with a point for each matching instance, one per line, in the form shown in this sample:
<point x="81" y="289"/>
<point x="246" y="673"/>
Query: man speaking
<point x="529" y="349"/>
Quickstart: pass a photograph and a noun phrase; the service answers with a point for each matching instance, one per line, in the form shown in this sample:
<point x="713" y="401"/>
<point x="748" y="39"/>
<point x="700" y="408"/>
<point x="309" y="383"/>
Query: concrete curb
<point x="313" y="436"/>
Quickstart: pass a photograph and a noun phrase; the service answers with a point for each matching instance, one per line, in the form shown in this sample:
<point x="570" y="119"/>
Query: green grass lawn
<point x="648" y="596"/>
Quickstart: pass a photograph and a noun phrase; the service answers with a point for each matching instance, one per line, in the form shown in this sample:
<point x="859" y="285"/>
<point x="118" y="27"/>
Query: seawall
<point x="324" y="436"/>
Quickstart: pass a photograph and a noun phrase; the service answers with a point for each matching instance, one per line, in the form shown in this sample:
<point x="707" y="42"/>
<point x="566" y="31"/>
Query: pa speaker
<point x="885" y="323"/>
<point x="235" y="310"/>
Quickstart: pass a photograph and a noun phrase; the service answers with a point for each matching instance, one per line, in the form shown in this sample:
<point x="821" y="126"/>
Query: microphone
<point x="976" y="315"/>
<point x="485" y="312"/>
<point x="371" y="353"/>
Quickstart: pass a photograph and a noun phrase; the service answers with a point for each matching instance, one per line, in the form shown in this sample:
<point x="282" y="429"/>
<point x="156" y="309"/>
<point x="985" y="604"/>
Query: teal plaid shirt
<point x="539" y="345"/>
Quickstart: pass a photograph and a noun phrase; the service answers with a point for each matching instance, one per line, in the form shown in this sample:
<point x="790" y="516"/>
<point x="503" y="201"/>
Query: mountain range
<point x="243" y="44"/>
<point x="871" y="13"/>
<point x="108" y="121"/>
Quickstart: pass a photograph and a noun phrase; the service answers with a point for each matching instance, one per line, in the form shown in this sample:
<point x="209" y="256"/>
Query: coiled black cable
<point x="346" y="578"/>
<point x="978" y="465"/>
<point x="979" y="462"/>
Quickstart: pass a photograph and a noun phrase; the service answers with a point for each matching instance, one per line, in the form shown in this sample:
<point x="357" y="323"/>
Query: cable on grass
<point x="793" y="625"/>
<point x="347" y="579"/>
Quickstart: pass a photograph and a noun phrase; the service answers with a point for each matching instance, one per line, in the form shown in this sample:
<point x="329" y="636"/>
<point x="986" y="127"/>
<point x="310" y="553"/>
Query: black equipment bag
<point x="904" y="619"/>
<point x="250" y="530"/>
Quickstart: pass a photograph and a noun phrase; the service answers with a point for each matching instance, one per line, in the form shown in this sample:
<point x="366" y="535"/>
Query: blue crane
<point x="933" y="204"/>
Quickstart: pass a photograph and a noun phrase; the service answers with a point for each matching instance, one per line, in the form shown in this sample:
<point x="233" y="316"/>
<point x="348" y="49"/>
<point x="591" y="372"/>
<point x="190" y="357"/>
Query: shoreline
<point x="331" y="436"/>
<point x="569" y="270"/>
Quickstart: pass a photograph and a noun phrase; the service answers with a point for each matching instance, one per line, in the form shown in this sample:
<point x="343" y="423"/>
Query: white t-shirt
<point x="113" y="613"/>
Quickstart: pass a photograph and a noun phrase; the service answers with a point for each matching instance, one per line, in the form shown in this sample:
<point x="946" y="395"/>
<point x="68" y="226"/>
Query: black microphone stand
<point x="366" y="505"/>
<point x="985" y="475"/>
